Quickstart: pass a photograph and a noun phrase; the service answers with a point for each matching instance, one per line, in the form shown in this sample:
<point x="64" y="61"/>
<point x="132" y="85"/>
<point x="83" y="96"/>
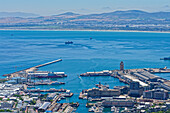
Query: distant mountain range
<point x="118" y="20"/>
<point x="17" y="14"/>
<point x="132" y="14"/>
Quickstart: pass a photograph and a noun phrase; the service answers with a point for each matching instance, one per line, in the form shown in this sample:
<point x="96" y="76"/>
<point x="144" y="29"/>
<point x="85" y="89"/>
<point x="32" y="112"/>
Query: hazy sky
<point x="50" y="7"/>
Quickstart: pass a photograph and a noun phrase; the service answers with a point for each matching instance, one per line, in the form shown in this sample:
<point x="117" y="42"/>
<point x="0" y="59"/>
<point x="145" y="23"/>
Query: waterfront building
<point x="17" y="80"/>
<point x="135" y="89"/>
<point x="146" y="76"/>
<point x="8" y="90"/>
<point x="118" y="103"/>
<point x="121" y="66"/>
<point x="151" y="77"/>
<point x="123" y="89"/>
<point x="156" y="94"/>
<point x="51" y="96"/>
<point x="134" y="85"/>
<point x="130" y="78"/>
<point x="153" y="85"/>
<point x="44" y="106"/>
<point x="96" y="92"/>
<point x="141" y="77"/>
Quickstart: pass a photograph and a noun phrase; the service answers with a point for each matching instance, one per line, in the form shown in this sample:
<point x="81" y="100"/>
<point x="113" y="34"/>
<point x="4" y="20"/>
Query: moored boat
<point x="165" y="58"/>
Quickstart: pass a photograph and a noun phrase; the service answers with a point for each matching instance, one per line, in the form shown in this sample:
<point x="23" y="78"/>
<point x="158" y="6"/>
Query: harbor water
<point x="90" y="51"/>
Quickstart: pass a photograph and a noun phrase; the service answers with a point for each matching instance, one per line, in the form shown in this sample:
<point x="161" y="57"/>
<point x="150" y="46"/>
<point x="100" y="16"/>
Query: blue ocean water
<point x="23" y="49"/>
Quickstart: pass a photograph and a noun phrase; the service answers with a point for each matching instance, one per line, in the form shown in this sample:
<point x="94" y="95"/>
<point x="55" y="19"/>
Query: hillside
<point x="118" y="20"/>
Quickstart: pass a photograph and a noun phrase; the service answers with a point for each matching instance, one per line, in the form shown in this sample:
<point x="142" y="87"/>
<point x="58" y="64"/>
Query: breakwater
<point x="10" y="75"/>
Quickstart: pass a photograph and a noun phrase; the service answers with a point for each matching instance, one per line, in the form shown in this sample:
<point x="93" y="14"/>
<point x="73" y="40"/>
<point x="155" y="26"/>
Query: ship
<point x="46" y="74"/>
<point x="165" y="58"/>
<point x="101" y="73"/>
<point x="69" y="42"/>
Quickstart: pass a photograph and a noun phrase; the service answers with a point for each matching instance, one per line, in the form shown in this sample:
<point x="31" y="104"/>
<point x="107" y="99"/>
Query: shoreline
<point x="84" y="30"/>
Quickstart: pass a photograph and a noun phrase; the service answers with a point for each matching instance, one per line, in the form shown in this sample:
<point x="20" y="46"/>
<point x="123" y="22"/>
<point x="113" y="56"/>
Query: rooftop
<point x="136" y="80"/>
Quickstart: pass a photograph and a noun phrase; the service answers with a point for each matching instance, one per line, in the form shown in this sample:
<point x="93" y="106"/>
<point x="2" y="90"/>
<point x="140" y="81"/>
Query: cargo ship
<point x="46" y="74"/>
<point x="165" y="58"/>
<point x="69" y="42"/>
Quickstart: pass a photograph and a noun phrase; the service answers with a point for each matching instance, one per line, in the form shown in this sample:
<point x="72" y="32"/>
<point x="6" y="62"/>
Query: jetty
<point x="10" y="75"/>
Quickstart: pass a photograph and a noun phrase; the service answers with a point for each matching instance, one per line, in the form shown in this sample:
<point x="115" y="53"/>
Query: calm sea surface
<point x="23" y="49"/>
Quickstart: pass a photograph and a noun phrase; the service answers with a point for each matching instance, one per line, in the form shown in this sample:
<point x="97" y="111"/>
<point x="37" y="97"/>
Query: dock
<point x="45" y="83"/>
<point x="48" y="90"/>
<point x="101" y="73"/>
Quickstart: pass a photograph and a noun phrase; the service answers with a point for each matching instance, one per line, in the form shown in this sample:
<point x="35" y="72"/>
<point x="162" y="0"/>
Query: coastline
<point x="84" y="30"/>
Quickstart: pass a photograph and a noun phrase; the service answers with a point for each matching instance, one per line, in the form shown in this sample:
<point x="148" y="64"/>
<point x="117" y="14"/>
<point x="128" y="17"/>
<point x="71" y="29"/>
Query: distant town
<point x="131" y="20"/>
<point x="144" y="92"/>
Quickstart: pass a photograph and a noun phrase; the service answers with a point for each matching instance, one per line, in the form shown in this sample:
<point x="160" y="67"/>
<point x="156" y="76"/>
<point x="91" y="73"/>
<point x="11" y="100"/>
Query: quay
<point x="145" y="76"/>
<point x="10" y="75"/>
<point x="48" y="90"/>
<point x="101" y="73"/>
<point x="45" y="83"/>
<point x="111" y="72"/>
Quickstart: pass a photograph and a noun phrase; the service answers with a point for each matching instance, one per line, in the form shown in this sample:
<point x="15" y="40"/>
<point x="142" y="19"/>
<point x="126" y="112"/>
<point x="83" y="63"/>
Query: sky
<point x="52" y="7"/>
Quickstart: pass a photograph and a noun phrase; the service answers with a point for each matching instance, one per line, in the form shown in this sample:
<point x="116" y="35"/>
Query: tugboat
<point x="165" y="58"/>
<point x="69" y="42"/>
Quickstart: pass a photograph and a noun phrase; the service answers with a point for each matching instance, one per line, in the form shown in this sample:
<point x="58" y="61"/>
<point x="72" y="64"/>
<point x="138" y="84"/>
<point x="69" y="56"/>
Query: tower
<point x="121" y="66"/>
